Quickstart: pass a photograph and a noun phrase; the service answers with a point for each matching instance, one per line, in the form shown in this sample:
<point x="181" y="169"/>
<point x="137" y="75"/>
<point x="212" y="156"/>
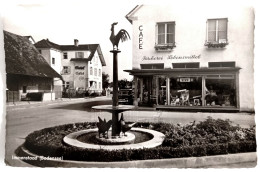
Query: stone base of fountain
<point x="156" y="139"/>
<point x="128" y="138"/>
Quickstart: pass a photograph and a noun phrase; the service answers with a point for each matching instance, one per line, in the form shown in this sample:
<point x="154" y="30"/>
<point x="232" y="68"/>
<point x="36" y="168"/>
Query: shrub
<point x="180" y="141"/>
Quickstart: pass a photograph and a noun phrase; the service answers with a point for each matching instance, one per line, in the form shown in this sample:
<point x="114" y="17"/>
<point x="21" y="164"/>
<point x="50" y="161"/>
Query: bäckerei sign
<point x="170" y="57"/>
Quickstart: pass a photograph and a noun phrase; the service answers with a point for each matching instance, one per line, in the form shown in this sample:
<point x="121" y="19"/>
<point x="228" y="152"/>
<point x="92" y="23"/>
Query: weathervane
<point x="122" y="34"/>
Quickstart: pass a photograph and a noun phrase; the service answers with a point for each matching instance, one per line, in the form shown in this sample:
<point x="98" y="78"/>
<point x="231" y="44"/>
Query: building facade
<point x="27" y="70"/>
<point x="193" y="59"/>
<point x="79" y="65"/>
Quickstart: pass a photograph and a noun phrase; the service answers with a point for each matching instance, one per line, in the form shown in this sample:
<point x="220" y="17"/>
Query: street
<point x="21" y="122"/>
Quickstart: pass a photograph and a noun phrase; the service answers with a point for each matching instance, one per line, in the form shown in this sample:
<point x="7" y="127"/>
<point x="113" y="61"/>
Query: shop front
<point x="202" y="88"/>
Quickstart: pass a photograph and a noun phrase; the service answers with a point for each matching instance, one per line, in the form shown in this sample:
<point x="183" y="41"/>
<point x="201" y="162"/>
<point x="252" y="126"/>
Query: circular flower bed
<point x="210" y="137"/>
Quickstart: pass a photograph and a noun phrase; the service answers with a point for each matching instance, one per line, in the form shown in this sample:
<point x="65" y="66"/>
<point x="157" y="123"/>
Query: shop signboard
<point x="185" y="80"/>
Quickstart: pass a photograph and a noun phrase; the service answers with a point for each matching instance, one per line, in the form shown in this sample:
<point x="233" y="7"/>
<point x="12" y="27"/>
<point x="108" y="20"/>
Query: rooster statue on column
<point x="121" y="35"/>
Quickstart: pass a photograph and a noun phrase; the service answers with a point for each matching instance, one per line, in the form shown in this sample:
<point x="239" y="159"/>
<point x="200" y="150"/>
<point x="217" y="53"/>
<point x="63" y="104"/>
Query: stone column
<point x="157" y="89"/>
<point x="141" y="89"/>
<point x="203" y="91"/>
<point x="115" y="117"/>
<point x="135" y="91"/>
<point x="168" y="90"/>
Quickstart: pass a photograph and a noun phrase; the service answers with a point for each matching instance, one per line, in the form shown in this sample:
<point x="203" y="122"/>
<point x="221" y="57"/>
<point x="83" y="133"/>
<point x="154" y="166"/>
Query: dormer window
<point x="216" y="33"/>
<point x="165" y="36"/>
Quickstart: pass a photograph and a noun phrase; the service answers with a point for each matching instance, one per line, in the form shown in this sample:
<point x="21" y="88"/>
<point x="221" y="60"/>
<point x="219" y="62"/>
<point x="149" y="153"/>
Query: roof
<point x="45" y="43"/>
<point x="128" y="16"/>
<point x="183" y="71"/>
<point x="23" y="58"/>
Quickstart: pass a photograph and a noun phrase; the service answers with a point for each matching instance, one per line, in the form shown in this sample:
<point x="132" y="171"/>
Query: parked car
<point x="125" y="96"/>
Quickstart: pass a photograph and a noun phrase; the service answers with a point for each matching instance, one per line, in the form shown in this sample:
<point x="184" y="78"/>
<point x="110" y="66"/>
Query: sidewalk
<point x="28" y="104"/>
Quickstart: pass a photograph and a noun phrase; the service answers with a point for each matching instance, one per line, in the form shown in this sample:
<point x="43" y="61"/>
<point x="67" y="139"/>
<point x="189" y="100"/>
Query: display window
<point x="185" y="91"/>
<point x="220" y="92"/>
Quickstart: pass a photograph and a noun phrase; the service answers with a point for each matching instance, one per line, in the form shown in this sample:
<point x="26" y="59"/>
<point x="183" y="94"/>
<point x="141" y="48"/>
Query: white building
<point x="79" y="65"/>
<point x="183" y="58"/>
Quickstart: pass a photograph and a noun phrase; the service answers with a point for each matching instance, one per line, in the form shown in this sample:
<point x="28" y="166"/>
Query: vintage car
<point x="125" y="96"/>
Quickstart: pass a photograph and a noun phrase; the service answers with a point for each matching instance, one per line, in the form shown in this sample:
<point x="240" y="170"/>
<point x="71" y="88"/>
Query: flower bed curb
<point x="190" y="162"/>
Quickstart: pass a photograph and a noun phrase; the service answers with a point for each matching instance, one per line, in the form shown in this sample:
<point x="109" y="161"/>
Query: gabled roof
<point x="45" y="43"/>
<point x="128" y="16"/>
<point x="22" y="58"/>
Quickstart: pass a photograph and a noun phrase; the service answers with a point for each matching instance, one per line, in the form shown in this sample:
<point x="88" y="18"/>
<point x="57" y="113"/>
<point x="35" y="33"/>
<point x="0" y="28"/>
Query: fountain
<point x="112" y="139"/>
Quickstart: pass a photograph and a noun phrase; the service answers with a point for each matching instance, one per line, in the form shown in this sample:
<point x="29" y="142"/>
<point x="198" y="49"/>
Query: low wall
<point x="48" y="96"/>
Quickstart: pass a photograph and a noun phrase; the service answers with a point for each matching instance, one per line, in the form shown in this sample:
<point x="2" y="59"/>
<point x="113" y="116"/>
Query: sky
<point x="88" y="21"/>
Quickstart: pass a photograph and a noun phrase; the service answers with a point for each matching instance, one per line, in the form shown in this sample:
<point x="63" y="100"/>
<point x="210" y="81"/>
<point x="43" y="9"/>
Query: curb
<point x="54" y="102"/>
<point x="191" y="162"/>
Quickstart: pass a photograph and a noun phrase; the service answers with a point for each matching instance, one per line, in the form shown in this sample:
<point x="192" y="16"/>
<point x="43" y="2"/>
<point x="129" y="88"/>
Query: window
<point x="79" y="54"/>
<point x="95" y="71"/>
<point x="65" y="55"/>
<point x="186" y="65"/>
<point x="222" y="64"/>
<point x="66" y="70"/>
<point x="99" y="72"/>
<point x="91" y="71"/>
<point x="165" y="35"/>
<point x="152" y="66"/>
<point x="216" y="31"/>
<point x="53" y="60"/>
<point x="99" y="85"/>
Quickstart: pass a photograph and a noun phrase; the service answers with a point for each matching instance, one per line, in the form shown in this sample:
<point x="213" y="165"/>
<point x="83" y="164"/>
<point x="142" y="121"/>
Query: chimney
<point x="76" y="42"/>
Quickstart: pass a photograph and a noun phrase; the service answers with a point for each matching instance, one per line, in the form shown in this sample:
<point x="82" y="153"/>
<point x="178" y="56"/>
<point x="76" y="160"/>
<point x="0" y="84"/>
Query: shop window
<point x="66" y="70"/>
<point x="79" y="55"/>
<point x="186" y="65"/>
<point x="220" y="92"/>
<point x="165" y="36"/>
<point x="221" y="64"/>
<point x="216" y="33"/>
<point x="152" y="66"/>
<point x="65" y="55"/>
<point x="185" y="91"/>
<point x="91" y="71"/>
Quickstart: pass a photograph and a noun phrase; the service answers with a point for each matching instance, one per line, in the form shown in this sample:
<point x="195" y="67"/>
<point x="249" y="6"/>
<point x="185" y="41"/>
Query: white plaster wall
<point x="190" y="36"/>
<point x="46" y="54"/>
<point x="57" y="55"/>
<point x="95" y="63"/>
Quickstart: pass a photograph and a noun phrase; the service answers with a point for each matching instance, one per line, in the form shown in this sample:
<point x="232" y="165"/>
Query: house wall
<point x="95" y="63"/>
<point x="190" y="36"/>
<point x="32" y="84"/>
<point x="79" y="76"/>
<point x="57" y="55"/>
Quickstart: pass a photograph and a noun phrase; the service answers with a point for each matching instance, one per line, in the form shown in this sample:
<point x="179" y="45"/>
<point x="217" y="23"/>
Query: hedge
<point x="49" y="142"/>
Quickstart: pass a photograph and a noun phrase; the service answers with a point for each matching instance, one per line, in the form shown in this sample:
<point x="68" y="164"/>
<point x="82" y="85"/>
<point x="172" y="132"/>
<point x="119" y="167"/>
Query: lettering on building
<point x="152" y="58"/>
<point x="141" y="36"/>
<point x="171" y="57"/>
<point x="80" y="67"/>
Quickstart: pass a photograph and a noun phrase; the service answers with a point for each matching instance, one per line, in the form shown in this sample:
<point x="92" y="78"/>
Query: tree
<point x="105" y="80"/>
<point x="123" y="83"/>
